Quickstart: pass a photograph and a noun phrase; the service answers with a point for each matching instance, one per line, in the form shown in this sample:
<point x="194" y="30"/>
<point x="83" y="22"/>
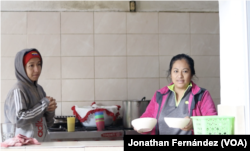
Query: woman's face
<point x="33" y="69"/>
<point x="181" y="74"/>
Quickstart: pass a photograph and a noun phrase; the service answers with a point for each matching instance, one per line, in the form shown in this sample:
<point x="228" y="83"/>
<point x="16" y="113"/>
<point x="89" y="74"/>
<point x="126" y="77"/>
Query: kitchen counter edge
<point x="72" y="144"/>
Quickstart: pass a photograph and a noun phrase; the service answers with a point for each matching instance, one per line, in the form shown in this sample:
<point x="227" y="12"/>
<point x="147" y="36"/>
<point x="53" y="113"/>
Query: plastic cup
<point x="71" y="124"/>
<point x="8" y="130"/>
<point x="99" y="120"/>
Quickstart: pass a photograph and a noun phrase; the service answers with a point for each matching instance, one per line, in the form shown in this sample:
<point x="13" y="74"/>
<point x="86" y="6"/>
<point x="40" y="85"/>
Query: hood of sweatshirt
<point x="19" y="68"/>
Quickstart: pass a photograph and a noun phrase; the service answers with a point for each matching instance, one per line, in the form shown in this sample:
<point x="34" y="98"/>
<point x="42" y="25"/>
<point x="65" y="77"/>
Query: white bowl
<point x="176" y="122"/>
<point x="145" y="124"/>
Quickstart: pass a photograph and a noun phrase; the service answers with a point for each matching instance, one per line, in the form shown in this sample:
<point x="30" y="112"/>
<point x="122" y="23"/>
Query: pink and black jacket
<point x="200" y="104"/>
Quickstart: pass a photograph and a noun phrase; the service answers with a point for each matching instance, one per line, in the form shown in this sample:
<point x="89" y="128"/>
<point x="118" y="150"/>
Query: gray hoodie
<point x="26" y="104"/>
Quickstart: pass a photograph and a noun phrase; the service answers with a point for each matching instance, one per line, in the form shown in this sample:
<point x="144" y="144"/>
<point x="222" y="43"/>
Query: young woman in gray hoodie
<point x="26" y="104"/>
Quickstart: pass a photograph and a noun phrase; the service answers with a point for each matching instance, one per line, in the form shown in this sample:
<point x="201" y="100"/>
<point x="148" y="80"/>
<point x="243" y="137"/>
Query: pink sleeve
<point x="207" y="105"/>
<point x="151" y="111"/>
<point x="151" y="108"/>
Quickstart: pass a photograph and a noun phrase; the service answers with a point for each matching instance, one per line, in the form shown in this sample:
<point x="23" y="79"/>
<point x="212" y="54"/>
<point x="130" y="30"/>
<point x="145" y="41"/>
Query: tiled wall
<point x="109" y="57"/>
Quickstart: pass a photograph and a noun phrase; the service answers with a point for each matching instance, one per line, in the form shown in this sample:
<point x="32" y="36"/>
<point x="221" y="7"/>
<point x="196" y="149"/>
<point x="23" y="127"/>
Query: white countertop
<point x="72" y="145"/>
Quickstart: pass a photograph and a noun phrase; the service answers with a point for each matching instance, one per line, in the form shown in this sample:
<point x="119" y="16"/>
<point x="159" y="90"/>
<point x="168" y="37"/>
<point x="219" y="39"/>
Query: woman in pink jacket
<point x="181" y="98"/>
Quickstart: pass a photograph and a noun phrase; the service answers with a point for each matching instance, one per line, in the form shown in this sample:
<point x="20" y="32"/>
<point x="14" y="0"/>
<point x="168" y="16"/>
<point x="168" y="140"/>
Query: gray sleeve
<point x="25" y="115"/>
<point x="49" y="116"/>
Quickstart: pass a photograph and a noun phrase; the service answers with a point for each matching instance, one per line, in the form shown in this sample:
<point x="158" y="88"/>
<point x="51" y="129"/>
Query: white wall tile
<point x="207" y="66"/>
<point x="59" y="108"/>
<point x="110" y="67"/>
<point x="109" y="22"/>
<point x="164" y="82"/>
<point x="2" y="113"/>
<point x="77" y="45"/>
<point x="204" y="23"/>
<point x="48" y="45"/>
<point x="108" y="45"/>
<point x="52" y="88"/>
<point x="77" y="90"/>
<point x="205" y="45"/>
<point x="8" y="68"/>
<point x="174" y="22"/>
<point x="174" y="44"/>
<point x="164" y="65"/>
<point x="51" y="68"/>
<point x="66" y="106"/>
<point x="216" y="103"/>
<point x="109" y="103"/>
<point x="77" y="67"/>
<point x="43" y="22"/>
<point x="142" y="44"/>
<point x="211" y="84"/>
<point x="142" y="22"/>
<point x="139" y="88"/>
<point x="139" y="67"/>
<point x="11" y="44"/>
<point x="6" y="86"/>
<point x="110" y="89"/>
<point x="132" y="50"/>
<point x="13" y="22"/>
<point x="77" y="22"/>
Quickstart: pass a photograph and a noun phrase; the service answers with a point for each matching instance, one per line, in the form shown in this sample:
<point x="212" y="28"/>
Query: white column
<point x="234" y="63"/>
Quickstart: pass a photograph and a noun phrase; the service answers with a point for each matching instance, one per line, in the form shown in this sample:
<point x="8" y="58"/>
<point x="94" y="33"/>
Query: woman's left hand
<point x="52" y="105"/>
<point x="189" y="126"/>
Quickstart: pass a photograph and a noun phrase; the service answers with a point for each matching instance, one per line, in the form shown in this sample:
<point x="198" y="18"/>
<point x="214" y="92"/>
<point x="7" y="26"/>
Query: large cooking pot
<point x="133" y="109"/>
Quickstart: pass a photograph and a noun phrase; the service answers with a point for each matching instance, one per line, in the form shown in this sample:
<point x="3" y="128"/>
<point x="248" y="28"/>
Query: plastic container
<point x="213" y="125"/>
<point x="71" y="124"/>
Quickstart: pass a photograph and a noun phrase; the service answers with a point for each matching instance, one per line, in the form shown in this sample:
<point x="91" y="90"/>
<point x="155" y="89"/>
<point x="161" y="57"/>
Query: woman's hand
<point x="52" y="104"/>
<point x="189" y="126"/>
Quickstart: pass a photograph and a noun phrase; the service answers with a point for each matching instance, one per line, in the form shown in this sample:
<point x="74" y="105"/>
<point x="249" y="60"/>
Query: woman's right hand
<point x="52" y="104"/>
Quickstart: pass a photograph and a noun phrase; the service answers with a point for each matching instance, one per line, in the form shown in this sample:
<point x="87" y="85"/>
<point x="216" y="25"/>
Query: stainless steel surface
<point x="132" y="110"/>
<point x="87" y="135"/>
<point x="58" y="132"/>
<point x="92" y="135"/>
